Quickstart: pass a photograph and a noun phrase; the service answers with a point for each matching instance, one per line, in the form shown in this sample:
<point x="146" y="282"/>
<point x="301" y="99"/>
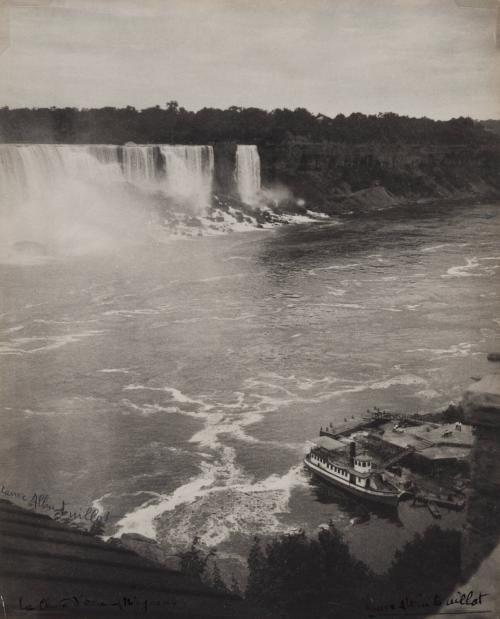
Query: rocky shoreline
<point x="227" y="214"/>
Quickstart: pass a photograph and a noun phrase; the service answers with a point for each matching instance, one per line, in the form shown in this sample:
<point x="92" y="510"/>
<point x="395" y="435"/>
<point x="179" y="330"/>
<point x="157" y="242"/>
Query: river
<point x="178" y="385"/>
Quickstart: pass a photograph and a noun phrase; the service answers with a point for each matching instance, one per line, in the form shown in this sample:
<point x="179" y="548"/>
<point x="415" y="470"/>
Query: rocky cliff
<point x="481" y="547"/>
<point x="336" y="177"/>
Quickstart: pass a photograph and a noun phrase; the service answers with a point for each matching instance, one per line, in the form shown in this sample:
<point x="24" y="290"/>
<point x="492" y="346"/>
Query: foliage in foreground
<point x="301" y="578"/>
<point x="295" y="576"/>
<point x="298" y="577"/>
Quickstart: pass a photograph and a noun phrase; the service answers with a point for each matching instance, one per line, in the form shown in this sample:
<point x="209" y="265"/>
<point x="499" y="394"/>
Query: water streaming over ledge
<point x="185" y="172"/>
<point x="248" y="172"/>
<point x="64" y="197"/>
<point x="189" y="172"/>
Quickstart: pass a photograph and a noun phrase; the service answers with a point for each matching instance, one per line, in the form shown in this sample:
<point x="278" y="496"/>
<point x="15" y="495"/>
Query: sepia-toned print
<point x="249" y="308"/>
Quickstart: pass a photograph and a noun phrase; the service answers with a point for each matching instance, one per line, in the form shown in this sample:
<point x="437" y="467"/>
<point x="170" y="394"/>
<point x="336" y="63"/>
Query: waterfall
<point x="248" y="172"/>
<point x="183" y="172"/>
<point x="139" y="165"/>
<point x="68" y="194"/>
<point x="189" y="173"/>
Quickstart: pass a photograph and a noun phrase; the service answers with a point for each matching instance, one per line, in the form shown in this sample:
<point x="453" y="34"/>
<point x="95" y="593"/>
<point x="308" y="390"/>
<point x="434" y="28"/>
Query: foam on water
<point x="175" y="517"/>
<point x="133" y="312"/>
<point x="244" y="316"/>
<point x="405" y="379"/>
<point x="245" y="508"/>
<point x="43" y="321"/>
<point x="341" y="305"/>
<point x="17" y="346"/>
<point x="462" y="349"/>
<point x="333" y="267"/>
<point x="218" y="278"/>
<point x="463" y="270"/>
<point x="219" y="474"/>
<point x="336" y="292"/>
<point x="13" y="329"/>
<point x="428" y="394"/>
<point x="434" y="248"/>
<point x="142" y="519"/>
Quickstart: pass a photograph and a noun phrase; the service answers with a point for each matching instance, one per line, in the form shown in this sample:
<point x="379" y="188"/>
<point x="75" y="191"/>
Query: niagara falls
<point x="72" y="197"/>
<point x="249" y="309"/>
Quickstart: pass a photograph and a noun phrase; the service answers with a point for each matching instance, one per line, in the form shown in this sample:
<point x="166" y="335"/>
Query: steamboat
<point x="338" y="463"/>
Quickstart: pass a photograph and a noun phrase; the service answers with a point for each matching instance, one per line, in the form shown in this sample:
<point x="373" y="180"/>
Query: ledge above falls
<point x="481" y="402"/>
<point x="481" y="538"/>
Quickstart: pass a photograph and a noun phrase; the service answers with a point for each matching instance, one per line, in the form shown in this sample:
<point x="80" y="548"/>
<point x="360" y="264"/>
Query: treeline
<point x="176" y="125"/>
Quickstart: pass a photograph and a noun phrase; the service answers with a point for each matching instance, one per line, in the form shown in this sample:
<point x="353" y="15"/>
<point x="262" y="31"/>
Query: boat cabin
<point x="363" y="464"/>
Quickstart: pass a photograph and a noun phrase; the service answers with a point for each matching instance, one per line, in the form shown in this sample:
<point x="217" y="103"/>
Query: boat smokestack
<point x="352" y="452"/>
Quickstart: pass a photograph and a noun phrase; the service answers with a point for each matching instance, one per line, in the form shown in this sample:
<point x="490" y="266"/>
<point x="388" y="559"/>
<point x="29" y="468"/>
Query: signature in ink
<point x="408" y="605"/>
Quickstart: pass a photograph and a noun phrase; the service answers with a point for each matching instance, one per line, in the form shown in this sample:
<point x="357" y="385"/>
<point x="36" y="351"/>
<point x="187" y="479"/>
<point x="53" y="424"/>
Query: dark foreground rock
<point x="480" y="561"/>
<point x="49" y="569"/>
<point x="481" y="547"/>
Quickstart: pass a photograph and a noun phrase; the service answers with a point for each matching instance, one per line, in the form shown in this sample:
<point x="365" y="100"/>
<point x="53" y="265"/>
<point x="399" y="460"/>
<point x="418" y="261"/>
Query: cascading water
<point x="189" y="173"/>
<point x="248" y="172"/>
<point x="71" y="198"/>
<point x="139" y="165"/>
<point x="62" y="198"/>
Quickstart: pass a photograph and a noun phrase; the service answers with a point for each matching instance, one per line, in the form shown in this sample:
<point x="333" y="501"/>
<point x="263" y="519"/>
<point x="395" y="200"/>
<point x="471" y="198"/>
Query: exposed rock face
<point x="480" y="563"/>
<point x="481" y="402"/>
<point x="373" y="197"/>
<point x="481" y="550"/>
<point x="225" y="164"/>
<point x="327" y="174"/>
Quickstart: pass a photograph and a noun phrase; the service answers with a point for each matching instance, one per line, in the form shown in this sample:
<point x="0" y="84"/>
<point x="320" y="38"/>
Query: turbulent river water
<point x="177" y="385"/>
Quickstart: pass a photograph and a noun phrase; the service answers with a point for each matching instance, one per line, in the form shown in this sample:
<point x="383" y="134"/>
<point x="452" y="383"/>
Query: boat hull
<point x="385" y="498"/>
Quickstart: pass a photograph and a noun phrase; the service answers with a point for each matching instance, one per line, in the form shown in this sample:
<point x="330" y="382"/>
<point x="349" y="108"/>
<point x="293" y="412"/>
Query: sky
<point x="416" y="57"/>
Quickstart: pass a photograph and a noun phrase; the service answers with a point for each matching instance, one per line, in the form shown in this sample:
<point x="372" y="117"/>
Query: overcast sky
<point x="416" y="57"/>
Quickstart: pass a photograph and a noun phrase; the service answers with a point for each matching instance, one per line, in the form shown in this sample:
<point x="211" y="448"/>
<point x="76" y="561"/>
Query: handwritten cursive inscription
<point x="123" y="603"/>
<point x="466" y="601"/>
<point x="42" y="503"/>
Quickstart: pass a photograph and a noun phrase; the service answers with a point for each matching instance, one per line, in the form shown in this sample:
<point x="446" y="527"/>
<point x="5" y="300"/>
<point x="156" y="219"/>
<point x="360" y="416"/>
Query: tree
<point x="256" y="562"/>
<point x="172" y="106"/>
<point x="97" y="527"/>
<point x="175" y="124"/>
<point x="429" y="562"/>
<point x="235" y="587"/>
<point x="297" y="577"/>
<point x="216" y="579"/>
<point x="194" y="561"/>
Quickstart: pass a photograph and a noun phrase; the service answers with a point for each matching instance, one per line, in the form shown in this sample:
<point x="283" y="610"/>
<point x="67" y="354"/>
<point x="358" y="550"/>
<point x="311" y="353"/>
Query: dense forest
<point x="173" y="124"/>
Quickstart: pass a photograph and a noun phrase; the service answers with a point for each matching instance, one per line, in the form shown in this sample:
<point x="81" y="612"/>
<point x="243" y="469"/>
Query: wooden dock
<point x="356" y="425"/>
<point x="433" y="501"/>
